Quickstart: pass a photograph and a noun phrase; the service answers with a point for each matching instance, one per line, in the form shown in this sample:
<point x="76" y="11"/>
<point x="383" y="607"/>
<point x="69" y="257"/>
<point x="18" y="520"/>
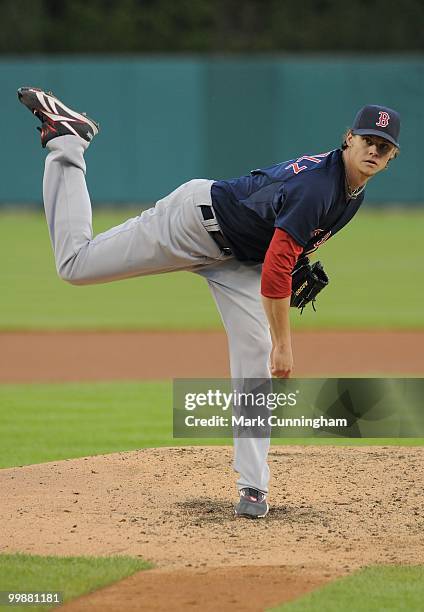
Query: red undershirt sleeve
<point x="279" y="262"/>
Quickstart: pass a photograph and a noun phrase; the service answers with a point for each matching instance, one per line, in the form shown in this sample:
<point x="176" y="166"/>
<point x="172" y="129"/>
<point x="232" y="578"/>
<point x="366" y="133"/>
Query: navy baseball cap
<point x="378" y="121"/>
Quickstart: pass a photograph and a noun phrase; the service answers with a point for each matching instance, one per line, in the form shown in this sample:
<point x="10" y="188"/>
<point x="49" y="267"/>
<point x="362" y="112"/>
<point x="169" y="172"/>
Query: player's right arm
<point x="279" y="262"/>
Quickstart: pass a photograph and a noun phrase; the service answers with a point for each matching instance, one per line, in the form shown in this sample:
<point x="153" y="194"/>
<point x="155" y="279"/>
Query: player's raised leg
<point x="168" y="237"/>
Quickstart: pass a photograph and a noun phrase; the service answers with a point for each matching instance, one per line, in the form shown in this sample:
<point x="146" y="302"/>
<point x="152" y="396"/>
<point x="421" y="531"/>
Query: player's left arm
<point x="277" y="312"/>
<point x="279" y="262"/>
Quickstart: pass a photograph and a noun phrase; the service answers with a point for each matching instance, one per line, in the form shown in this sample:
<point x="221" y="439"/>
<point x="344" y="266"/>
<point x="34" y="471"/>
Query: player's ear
<point x="349" y="138"/>
<point x="344" y="144"/>
<point x="393" y="155"/>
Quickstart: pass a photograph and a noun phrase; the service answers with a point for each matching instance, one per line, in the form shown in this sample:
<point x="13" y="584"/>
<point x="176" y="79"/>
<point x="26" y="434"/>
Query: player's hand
<point x="281" y="361"/>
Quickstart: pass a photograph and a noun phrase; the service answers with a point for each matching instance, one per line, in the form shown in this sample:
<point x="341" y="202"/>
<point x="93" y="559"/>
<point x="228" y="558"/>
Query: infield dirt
<point x="333" y="510"/>
<point x="132" y="355"/>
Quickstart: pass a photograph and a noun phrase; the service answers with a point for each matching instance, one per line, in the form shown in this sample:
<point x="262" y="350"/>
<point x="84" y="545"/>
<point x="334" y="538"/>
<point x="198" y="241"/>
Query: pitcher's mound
<point x="333" y="509"/>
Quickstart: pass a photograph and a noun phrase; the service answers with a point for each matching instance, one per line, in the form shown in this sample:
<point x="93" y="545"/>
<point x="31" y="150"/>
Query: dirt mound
<point x="333" y="510"/>
<point x="332" y="507"/>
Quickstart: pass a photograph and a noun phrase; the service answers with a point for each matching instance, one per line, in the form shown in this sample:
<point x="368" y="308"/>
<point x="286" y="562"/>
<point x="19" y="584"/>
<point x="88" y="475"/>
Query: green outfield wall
<point x="166" y="119"/>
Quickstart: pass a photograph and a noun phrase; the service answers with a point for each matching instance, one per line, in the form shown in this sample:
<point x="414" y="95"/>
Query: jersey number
<point x="313" y="158"/>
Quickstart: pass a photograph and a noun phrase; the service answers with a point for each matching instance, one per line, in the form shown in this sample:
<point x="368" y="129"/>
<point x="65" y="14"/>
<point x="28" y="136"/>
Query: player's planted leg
<point x="236" y="290"/>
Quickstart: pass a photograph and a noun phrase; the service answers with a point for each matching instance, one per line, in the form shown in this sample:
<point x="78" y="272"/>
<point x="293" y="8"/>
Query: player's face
<point x="369" y="154"/>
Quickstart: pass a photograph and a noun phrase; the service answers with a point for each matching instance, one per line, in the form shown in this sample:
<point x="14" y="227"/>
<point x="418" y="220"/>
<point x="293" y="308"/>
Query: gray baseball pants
<point x="170" y="236"/>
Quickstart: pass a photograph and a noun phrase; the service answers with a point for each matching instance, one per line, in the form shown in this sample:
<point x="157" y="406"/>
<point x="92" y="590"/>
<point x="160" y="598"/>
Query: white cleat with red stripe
<point x="56" y="118"/>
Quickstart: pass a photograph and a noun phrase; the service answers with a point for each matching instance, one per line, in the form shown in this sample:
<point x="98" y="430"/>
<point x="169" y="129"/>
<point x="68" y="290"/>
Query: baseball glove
<point x="307" y="281"/>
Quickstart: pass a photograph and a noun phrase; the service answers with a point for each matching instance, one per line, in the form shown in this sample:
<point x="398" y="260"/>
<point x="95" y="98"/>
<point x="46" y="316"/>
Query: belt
<point x="211" y="226"/>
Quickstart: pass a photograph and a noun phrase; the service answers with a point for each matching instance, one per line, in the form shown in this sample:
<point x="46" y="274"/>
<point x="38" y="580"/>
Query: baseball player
<point x="243" y="236"/>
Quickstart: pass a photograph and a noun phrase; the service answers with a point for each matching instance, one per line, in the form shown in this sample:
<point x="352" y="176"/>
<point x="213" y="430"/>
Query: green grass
<point x="374" y="267"/>
<point x="71" y="576"/>
<point x="41" y="422"/>
<point x="374" y="589"/>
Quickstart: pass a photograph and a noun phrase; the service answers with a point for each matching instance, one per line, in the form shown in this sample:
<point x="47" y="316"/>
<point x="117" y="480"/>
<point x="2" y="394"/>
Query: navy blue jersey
<point x="306" y="197"/>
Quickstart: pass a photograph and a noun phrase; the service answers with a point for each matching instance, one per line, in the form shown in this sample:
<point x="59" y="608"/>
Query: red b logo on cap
<point x="383" y="120"/>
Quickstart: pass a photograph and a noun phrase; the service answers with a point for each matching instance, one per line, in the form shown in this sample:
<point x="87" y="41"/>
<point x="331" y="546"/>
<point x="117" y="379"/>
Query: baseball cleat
<point x="252" y="504"/>
<point x="56" y="118"/>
